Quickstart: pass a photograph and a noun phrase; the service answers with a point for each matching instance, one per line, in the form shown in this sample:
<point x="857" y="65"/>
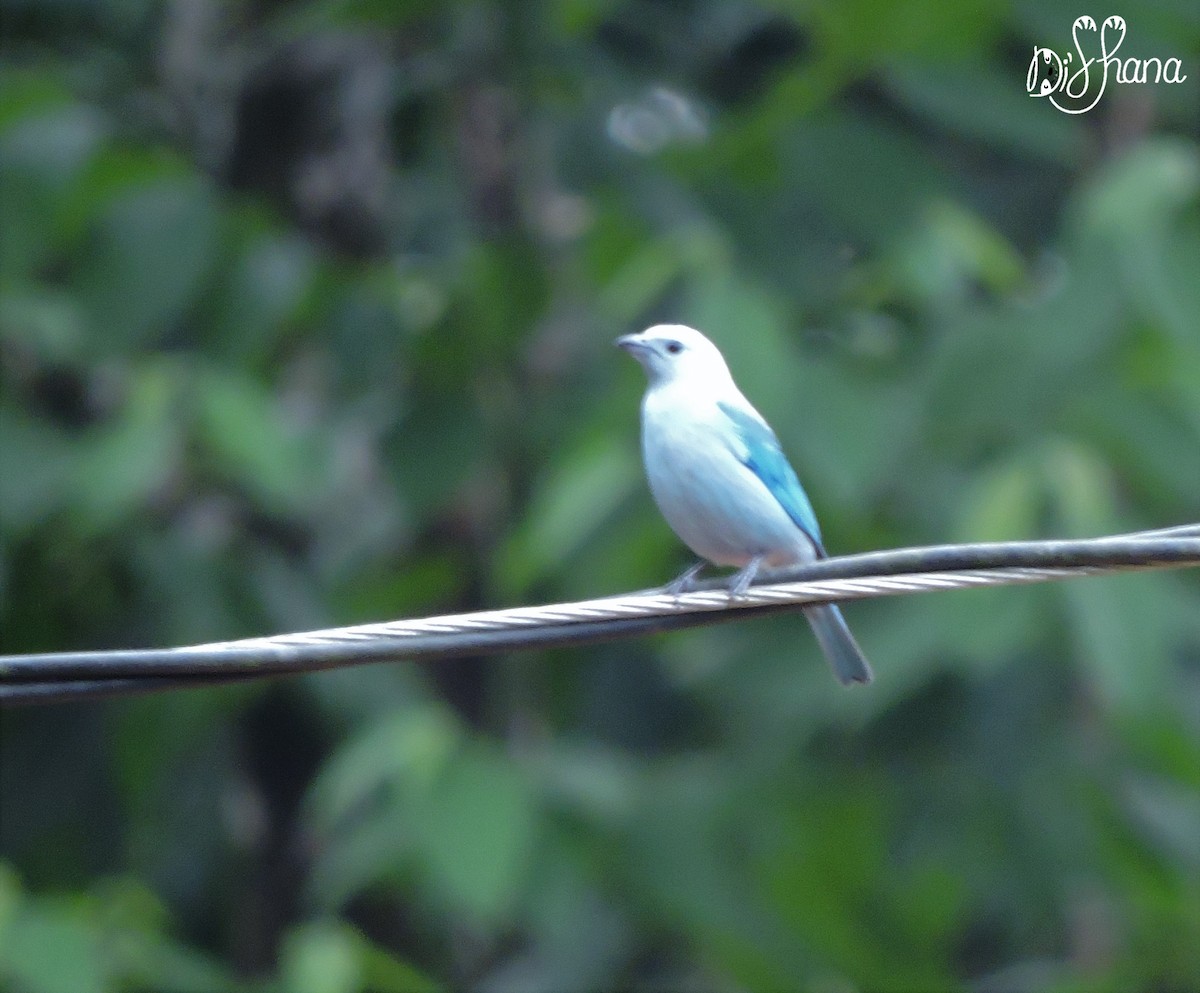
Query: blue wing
<point x="766" y="460"/>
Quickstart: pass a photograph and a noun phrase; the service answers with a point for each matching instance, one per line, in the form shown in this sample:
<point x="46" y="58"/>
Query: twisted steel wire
<point x="62" y="676"/>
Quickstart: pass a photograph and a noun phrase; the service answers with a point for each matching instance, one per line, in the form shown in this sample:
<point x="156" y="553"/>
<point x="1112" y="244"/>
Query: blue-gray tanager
<point x="721" y="480"/>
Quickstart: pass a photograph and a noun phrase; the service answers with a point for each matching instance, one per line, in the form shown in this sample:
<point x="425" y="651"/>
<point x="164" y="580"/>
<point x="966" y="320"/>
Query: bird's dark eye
<point x="674" y="347"/>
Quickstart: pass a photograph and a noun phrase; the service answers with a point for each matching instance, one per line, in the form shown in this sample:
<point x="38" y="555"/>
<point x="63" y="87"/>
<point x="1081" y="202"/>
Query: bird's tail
<point x="838" y="644"/>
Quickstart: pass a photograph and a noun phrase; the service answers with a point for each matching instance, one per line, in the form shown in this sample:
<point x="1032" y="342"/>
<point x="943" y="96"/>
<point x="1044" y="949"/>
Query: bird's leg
<point x="680" y="583"/>
<point x="742" y="580"/>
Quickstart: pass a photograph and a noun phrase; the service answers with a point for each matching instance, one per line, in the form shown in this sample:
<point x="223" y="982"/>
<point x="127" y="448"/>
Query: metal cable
<point x="84" y="675"/>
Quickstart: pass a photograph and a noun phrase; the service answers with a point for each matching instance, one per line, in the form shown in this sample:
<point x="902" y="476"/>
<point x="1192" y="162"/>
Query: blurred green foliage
<point x="305" y="319"/>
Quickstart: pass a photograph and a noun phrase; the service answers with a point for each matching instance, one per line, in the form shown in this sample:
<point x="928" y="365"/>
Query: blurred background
<point x="306" y="313"/>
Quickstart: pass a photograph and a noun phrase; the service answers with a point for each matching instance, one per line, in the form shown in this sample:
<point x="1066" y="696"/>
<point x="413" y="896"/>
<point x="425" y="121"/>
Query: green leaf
<point x="146" y="262"/>
<point x="49" y="949"/>
<point x="48" y="324"/>
<point x="409" y="749"/>
<point x="477" y="831"/>
<point x="1003" y="503"/>
<point x="1139" y="190"/>
<point x="572" y="502"/>
<point x="123" y="464"/>
<point x="254" y="444"/>
<point x="329" y="956"/>
<point x="321" y="957"/>
<point x="40" y="465"/>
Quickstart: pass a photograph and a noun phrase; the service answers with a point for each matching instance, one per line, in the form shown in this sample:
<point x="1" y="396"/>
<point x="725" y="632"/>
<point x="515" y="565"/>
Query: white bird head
<point x="673" y="352"/>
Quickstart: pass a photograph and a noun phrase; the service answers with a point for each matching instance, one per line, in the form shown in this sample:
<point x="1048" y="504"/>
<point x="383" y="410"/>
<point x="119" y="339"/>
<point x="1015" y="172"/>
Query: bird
<point x="721" y="479"/>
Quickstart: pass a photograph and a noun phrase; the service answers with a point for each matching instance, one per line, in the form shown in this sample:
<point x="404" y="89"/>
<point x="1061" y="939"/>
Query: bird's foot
<point x="742" y="580"/>
<point x="681" y="583"/>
